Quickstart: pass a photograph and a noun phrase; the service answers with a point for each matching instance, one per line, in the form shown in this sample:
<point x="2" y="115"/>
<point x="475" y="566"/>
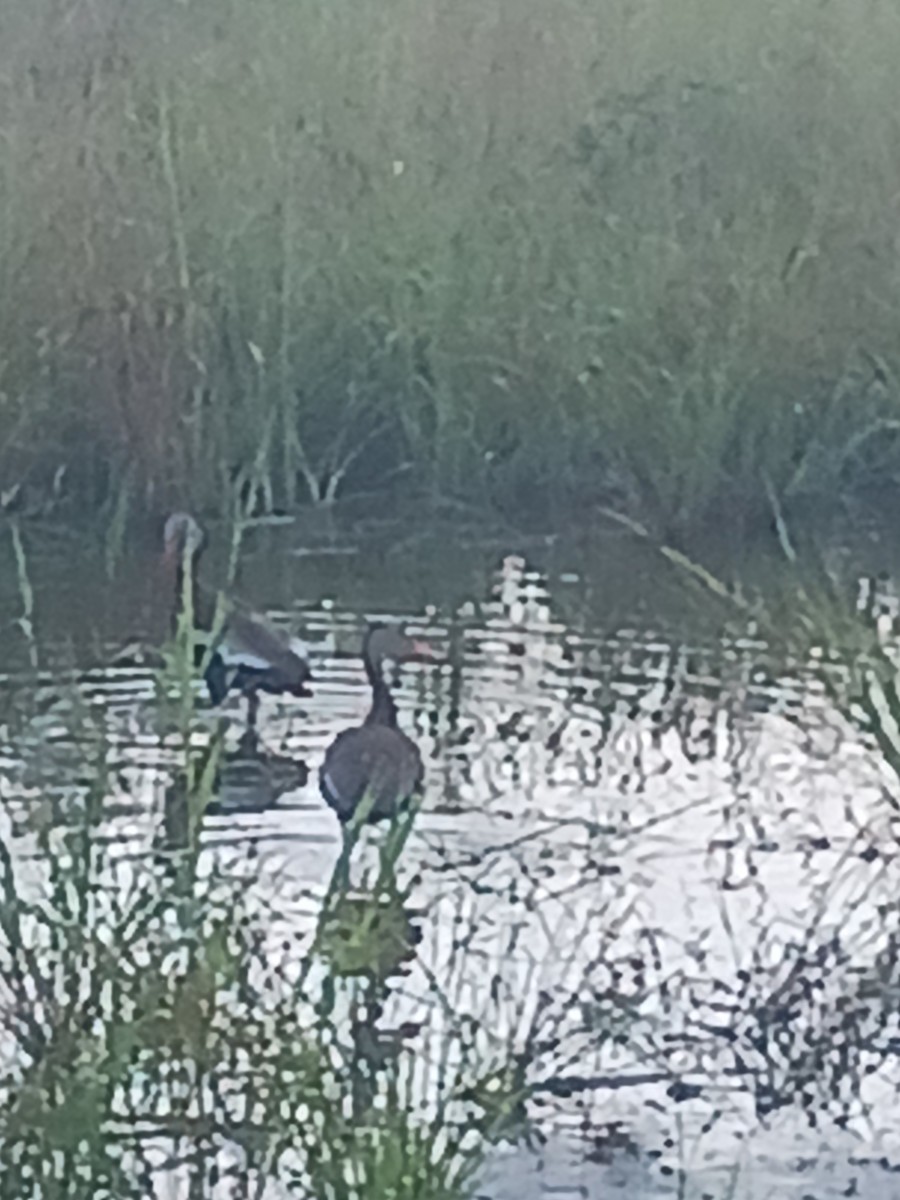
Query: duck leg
<point x="252" y="709"/>
<point x="249" y="741"/>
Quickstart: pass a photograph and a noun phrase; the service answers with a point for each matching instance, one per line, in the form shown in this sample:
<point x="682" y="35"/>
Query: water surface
<point x="632" y="806"/>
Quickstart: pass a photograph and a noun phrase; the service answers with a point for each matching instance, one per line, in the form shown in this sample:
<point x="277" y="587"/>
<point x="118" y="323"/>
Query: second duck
<point x="375" y="759"/>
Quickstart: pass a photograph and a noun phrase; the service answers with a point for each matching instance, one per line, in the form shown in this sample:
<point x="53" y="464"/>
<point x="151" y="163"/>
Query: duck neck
<point x="383" y="710"/>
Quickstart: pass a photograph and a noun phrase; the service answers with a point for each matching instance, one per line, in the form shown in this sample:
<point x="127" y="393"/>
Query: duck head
<point x="182" y="537"/>
<point x="386" y="644"/>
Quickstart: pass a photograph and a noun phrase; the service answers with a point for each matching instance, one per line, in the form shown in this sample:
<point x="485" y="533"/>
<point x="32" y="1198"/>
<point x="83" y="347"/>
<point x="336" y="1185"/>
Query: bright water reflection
<point x="631" y="818"/>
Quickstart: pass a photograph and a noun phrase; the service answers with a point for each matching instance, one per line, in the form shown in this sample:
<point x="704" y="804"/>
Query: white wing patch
<point x="235" y="656"/>
<point x="329" y="783"/>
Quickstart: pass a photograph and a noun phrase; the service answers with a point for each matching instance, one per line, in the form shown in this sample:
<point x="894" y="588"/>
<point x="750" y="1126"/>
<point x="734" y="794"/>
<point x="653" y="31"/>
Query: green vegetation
<point x="524" y="256"/>
<point x="153" y="1026"/>
<point x="517" y="254"/>
<point x="163" y="1015"/>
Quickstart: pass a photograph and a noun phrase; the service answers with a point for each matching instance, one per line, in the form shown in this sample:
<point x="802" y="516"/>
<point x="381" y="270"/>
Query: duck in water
<point x="249" y="656"/>
<point x="375" y="760"/>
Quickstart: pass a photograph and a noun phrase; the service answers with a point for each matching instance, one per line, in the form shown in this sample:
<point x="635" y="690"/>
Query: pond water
<point x="642" y="818"/>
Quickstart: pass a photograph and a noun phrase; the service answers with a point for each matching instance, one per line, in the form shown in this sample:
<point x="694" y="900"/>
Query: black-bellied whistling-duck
<point x="249" y="655"/>
<point x="375" y="759"/>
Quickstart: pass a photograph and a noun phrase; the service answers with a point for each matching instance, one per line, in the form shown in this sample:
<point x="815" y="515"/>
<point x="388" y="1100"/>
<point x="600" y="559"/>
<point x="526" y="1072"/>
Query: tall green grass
<point x="151" y="1030"/>
<point x="512" y="252"/>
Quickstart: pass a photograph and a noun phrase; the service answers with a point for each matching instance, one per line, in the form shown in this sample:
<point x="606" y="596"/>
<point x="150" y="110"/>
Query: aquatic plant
<point x="151" y="1027"/>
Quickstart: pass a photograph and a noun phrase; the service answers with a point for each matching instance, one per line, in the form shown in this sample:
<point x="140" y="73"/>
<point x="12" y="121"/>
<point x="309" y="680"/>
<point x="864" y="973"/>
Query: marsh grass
<point x="150" y="1026"/>
<point x="346" y="250"/>
<point x="809" y="1032"/>
<point x="149" y="1029"/>
<point x="26" y="594"/>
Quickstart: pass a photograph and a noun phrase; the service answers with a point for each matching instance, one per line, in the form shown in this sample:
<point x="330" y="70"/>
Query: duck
<point x="249" y="655"/>
<point x="375" y="759"/>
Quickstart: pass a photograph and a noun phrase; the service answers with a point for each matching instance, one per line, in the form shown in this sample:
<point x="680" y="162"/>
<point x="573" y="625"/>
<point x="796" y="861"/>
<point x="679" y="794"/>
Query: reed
<point x="349" y="250"/>
<point x="149" y="1024"/>
<point x="26" y="594"/>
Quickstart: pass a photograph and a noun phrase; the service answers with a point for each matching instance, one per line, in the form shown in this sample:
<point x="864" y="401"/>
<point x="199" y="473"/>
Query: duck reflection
<point x="249" y="779"/>
<point x="253" y="779"/>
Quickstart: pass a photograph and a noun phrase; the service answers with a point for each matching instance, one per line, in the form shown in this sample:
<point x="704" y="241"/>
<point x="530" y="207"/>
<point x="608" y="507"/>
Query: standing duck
<point x="250" y="656"/>
<point x="375" y="759"/>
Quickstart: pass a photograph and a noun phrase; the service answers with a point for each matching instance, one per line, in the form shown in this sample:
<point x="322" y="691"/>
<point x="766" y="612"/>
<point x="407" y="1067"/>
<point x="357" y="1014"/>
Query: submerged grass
<point x="341" y="250"/>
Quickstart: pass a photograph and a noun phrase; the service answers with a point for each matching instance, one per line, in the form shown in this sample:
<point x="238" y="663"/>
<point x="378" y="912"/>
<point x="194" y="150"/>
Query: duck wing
<point x="250" y="643"/>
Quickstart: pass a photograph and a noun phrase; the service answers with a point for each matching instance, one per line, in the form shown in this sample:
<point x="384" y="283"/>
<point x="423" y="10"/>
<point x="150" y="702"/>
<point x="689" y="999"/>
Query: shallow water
<point x="631" y="803"/>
